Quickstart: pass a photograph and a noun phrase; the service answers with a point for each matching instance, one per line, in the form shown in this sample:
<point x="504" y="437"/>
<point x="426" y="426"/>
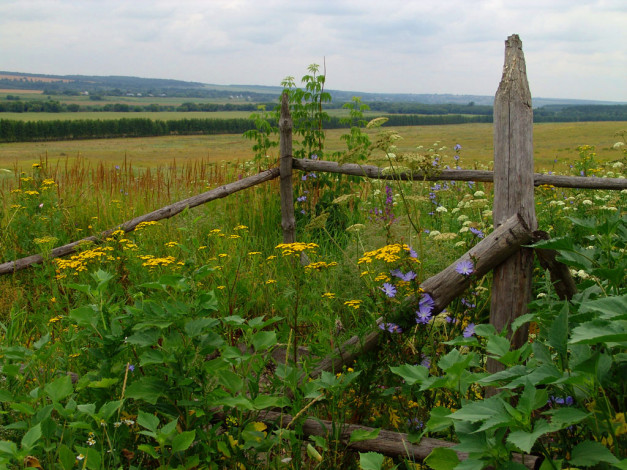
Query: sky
<point x="573" y="48"/>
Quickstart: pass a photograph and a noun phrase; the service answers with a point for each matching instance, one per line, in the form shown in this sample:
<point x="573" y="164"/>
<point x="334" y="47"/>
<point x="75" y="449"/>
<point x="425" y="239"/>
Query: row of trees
<point x="29" y="131"/>
<point x="52" y="106"/>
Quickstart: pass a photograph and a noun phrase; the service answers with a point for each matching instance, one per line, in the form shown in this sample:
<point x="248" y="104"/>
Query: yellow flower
<point x="353" y="304"/>
<point x="271" y="281"/>
<point x="329" y="295"/>
<point x="55" y="319"/>
<point x="171" y="244"/>
<point x="253" y="253"/>
<point x="74" y="355"/>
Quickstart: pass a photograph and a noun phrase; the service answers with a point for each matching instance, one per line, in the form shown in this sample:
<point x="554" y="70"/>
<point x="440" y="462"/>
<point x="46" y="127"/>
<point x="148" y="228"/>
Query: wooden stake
<point x="513" y="188"/>
<point x="288" y="221"/>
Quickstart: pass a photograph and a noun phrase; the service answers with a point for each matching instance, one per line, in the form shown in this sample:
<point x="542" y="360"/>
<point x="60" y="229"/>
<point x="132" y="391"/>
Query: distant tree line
<point x="71" y="129"/>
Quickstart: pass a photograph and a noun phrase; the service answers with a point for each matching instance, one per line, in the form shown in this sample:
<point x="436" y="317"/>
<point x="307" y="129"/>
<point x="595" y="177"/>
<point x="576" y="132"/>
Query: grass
<point x="551" y="141"/>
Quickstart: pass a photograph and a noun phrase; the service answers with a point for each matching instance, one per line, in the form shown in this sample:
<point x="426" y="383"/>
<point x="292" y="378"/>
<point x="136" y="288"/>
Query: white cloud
<point x="574" y="49"/>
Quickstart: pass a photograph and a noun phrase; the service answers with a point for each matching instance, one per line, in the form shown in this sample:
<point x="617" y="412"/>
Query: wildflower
<point x="441" y="209"/>
<point x="457" y="147"/>
<point x="390" y="327"/>
<point x="353" y="304"/>
<point x="271" y="281"/>
<point x="54" y="319"/>
<point x="301" y="198"/>
<point x="475" y="231"/>
<point x="423" y="314"/>
<point x="80" y="457"/>
<point x="36" y="165"/>
<point x="465" y="267"/>
<point x="407" y="277"/>
<point x="131" y="368"/>
<point x="171" y="244"/>
<point x="388" y="289"/>
<point x="469" y="330"/>
<point x="328" y="295"/>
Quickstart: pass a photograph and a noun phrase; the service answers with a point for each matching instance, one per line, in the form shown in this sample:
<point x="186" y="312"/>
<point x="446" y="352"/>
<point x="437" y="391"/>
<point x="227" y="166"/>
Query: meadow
<point x="166" y="347"/>
<point x="551" y="141"/>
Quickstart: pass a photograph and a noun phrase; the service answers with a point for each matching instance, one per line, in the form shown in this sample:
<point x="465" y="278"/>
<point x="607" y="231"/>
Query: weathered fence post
<point x="513" y="187"/>
<point x="285" y="165"/>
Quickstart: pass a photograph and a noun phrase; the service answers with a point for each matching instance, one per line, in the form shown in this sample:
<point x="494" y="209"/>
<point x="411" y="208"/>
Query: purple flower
<point x="457" y="147"/>
<point x="388" y="289"/>
<point x="465" y="267"/>
<point x="469" y="330"/>
<point x="465" y="303"/>
<point x="409" y="276"/>
<point x="477" y="232"/>
<point x="314" y="156"/>
<point x="390" y="327"/>
<point x="301" y="198"/>
<point x="423" y="314"/>
<point x="412" y="253"/>
<point x="426" y="361"/>
<point x="304" y="177"/>
<point x="131" y="367"/>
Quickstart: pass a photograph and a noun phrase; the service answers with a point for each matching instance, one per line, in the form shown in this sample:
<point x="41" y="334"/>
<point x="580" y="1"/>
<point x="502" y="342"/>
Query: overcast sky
<point x="573" y="48"/>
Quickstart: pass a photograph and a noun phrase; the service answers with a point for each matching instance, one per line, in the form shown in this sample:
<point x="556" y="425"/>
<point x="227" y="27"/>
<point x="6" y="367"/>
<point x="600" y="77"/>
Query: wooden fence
<point x="501" y="251"/>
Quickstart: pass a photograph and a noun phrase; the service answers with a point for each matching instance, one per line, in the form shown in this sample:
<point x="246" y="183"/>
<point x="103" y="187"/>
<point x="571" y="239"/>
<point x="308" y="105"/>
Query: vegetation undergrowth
<point x="167" y="347"/>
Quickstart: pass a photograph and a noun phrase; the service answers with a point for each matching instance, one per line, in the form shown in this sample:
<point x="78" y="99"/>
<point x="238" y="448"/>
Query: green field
<point x="551" y="141"/>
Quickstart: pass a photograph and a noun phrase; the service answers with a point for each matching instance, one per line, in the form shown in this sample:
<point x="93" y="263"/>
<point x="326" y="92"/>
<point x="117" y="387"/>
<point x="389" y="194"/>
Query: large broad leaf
<point x="440" y="419"/>
<point x="148" y="389"/>
<point x="87" y="315"/>
<point x="181" y="442"/>
<point x="411" y="374"/>
<point x="230" y="380"/>
<point x="148" y="421"/>
<point x="198" y="326"/>
<point x="479" y="410"/>
<point x="263" y="402"/>
<point x="455" y="362"/>
<point x="59" y="389"/>
<point x="607" y="307"/>
<point x="525" y="440"/>
<point x="590" y="453"/>
<point x="562" y="418"/>
<point x="370" y="461"/>
<point x="560" y="243"/>
<point x="264" y="340"/>
<point x="31" y="436"/>
<point x="558" y="331"/>
<point x="600" y="331"/>
<point x="442" y="458"/>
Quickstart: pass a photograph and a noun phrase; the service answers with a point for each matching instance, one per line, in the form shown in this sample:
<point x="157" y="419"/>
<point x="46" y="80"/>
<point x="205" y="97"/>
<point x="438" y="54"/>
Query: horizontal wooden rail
<point x="159" y="214"/>
<point x="371" y="171"/>
<point x="443" y="287"/>
<point x="393" y="444"/>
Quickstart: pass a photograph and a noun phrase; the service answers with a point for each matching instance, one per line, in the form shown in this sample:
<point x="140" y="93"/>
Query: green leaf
<point x="455" y="362"/>
<point x="6" y="397"/>
<point x="589" y="453"/>
<point x="58" y="389"/>
<point x="557" y="336"/>
<point x="600" y="331"/>
<point x="359" y="435"/>
<point x="148" y="421"/>
<point x="230" y="380"/>
<point x="144" y="338"/>
<point x="478" y="410"/>
<point x="439" y="419"/>
<point x="67" y="458"/>
<point x="108" y="409"/>
<point x="198" y="326"/>
<point x="31" y="436"/>
<point x="92" y="458"/>
<point x="263" y="340"/>
<point x="411" y="373"/>
<point x="497" y="345"/>
<point x="562" y="418"/>
<point x="442" y="458"/>
<point x="263" y="402"/>
<point x="86" y="315"/>
<point x="103" y="383"/>
<point x="149" y="389"/>
<point x="521" y="320"/>
<point x="370" y="461"/>
<point x="150" y="450"/>
<point x="607" y="307"/>
<point x="181" y="442"/>
<point x="524" y="441"/>
<point x="41" y="341"/>
<point x="151" y="356"/>
<point x="7" y="447"/>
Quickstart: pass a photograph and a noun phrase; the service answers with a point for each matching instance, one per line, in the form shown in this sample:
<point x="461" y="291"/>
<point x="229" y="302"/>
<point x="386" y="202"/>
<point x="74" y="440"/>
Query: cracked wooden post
<point x="513" y="188"/>
<point x="285" y="165"/>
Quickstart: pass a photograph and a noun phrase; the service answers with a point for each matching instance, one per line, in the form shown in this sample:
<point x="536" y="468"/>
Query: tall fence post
<point x="513" y="188"/>
<point x="285" y="165"/>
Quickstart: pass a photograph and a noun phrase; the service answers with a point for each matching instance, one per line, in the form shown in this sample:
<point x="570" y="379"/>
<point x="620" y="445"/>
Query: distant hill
<point x="119" y="85"/>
